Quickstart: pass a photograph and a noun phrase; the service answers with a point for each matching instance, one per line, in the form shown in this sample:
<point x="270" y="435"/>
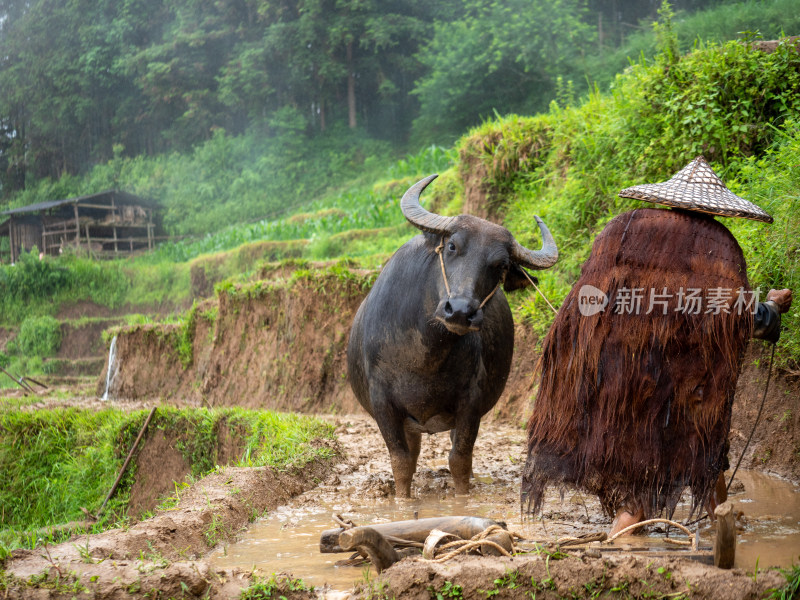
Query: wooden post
<point x="12" y="240"/>
<point x="114" y="223"/>
<point x="149" y="229"/>
<point x="127" y="460"/>
<point x="725" y="544"/>
<point x="44" y="237"/>
<point x="77" y="228"/>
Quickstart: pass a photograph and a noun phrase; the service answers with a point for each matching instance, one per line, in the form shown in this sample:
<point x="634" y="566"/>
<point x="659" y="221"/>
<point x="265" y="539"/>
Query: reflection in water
<point x="288" y="540"/>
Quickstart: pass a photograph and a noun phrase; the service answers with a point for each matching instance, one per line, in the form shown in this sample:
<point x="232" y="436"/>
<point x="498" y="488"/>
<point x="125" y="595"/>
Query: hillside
<point x="734" y="103"/>
<point x="258" y="314"/>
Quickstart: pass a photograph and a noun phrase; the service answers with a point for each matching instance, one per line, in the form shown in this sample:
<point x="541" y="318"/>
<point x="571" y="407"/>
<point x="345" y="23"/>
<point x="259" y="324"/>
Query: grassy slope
<point x="737" y="106"/>
<point x="55" y="461"/>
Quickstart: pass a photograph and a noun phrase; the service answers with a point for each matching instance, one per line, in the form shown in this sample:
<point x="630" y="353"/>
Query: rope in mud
<point x="755" y="423"/>
<point x="348" y="524"/>
<point x="584" y="539"/>
<point x="603" y="537"/>
<point x="476" y="541"/>
<point x="692" y="541"/>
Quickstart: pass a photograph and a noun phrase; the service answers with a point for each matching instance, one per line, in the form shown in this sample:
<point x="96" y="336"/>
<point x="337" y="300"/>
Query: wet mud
<point x="361" y="489"/>
<point x="219" y="536"/>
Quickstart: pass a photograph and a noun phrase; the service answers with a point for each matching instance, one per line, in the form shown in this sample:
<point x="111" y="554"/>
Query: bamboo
<point x="20" y="382"/>
<point x="36" y="382"/>
<point x="127" y="460"/>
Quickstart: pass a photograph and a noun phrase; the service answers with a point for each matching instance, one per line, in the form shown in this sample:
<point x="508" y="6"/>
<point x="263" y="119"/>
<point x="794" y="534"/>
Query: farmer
<point x="639" y="369"/>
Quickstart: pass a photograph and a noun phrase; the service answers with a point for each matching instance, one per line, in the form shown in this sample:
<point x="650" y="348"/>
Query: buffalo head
<point x="475" y="257"/>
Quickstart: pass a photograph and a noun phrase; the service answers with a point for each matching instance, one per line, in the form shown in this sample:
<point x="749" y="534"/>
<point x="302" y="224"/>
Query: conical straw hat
<point x="696" y="187"/>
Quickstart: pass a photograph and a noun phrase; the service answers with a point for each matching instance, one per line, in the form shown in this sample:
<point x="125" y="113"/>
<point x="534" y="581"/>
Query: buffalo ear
<point x="516" y="279"/>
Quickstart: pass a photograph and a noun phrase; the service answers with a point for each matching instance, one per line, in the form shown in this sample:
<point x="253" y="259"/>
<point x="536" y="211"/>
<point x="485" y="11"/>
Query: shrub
<point x="39" y="336"/>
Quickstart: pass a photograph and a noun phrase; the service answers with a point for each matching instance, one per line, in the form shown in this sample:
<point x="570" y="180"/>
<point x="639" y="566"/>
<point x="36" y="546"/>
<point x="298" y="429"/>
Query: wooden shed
<point x="105" y="224"/>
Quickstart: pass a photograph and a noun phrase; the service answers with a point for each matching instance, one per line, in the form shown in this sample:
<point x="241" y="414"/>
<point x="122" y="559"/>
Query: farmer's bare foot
<point x="625" y="519"/>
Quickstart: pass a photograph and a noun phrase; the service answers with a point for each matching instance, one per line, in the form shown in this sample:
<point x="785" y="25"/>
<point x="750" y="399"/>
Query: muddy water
<point x="288" y="539"/>
<point x="361" y="489"/>
<point x="771" y="521"/>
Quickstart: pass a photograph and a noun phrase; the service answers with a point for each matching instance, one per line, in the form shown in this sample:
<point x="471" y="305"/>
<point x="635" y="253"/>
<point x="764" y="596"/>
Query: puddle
<point x="771" y="508"/>
<point x="288" y="540"/>
<point x="361" y="490"/>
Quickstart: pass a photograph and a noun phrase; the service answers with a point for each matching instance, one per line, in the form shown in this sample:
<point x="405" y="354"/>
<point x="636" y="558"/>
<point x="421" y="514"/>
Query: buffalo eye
<point x="451" y="247"/>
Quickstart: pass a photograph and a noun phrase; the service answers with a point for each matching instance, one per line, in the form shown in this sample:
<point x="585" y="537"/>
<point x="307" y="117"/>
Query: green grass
<point x="34" y="287"/>
<point x="765" y="19"/>
<point x="55" y="461"/>
<point x="746" y="105"/>
<point x="274" y="586"/>
<point x="792" y="587"/>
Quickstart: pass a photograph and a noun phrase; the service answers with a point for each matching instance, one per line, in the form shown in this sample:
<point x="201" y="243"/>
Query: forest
<point x="262" y="137"/>
<point x="86" y="82"/>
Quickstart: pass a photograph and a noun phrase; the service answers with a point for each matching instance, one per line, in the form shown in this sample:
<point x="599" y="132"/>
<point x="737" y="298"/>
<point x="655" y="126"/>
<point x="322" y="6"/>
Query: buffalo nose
<point x="462" y="312"/>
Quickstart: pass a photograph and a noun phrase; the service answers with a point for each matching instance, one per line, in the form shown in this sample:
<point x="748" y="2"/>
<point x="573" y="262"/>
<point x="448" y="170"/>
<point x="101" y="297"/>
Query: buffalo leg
<point x="453" y="441"/>
<point x="466" y="432"/>
<point x="403" y="459"/>
<point x="414" y="441"/>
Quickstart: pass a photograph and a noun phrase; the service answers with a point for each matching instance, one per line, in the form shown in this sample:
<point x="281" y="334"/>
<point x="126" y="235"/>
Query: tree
<point x="501" y="56"/>
<point x="61" y="86"/>
<point x="348" y="61"/>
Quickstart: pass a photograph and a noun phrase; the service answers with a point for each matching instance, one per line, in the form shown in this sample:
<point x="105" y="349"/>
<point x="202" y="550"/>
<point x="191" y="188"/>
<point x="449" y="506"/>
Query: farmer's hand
<point x="783" y="298"/>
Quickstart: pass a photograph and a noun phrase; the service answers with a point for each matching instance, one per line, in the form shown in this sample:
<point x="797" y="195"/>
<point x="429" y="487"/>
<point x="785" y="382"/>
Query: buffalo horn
<point x="418" y="216"/>
<point x="541" y="259"/>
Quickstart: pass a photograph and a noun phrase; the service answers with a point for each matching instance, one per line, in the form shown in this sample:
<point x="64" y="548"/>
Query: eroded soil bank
<point x="280" y="344"/>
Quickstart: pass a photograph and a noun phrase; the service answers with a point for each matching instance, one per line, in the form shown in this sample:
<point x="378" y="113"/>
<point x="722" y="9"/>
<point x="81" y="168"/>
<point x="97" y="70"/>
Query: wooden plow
<point x="441" y="538"/>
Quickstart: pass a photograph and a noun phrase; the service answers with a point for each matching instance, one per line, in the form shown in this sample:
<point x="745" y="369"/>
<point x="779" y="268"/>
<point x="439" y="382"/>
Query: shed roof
<point x="121" y="197"/>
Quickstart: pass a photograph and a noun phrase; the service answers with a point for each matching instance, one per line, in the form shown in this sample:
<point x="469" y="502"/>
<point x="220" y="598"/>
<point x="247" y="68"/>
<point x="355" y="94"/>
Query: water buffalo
<point x="431" y="345"/>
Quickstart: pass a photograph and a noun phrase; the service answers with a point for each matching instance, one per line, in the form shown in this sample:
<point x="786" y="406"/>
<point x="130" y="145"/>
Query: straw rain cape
<point x="634" y="407"/>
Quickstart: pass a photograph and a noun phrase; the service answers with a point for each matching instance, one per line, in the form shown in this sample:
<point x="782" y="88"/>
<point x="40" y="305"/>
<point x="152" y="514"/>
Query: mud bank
<point x="280" y="343"/>
<point x="523" y="577"/>
<point x="276" y="344"/>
